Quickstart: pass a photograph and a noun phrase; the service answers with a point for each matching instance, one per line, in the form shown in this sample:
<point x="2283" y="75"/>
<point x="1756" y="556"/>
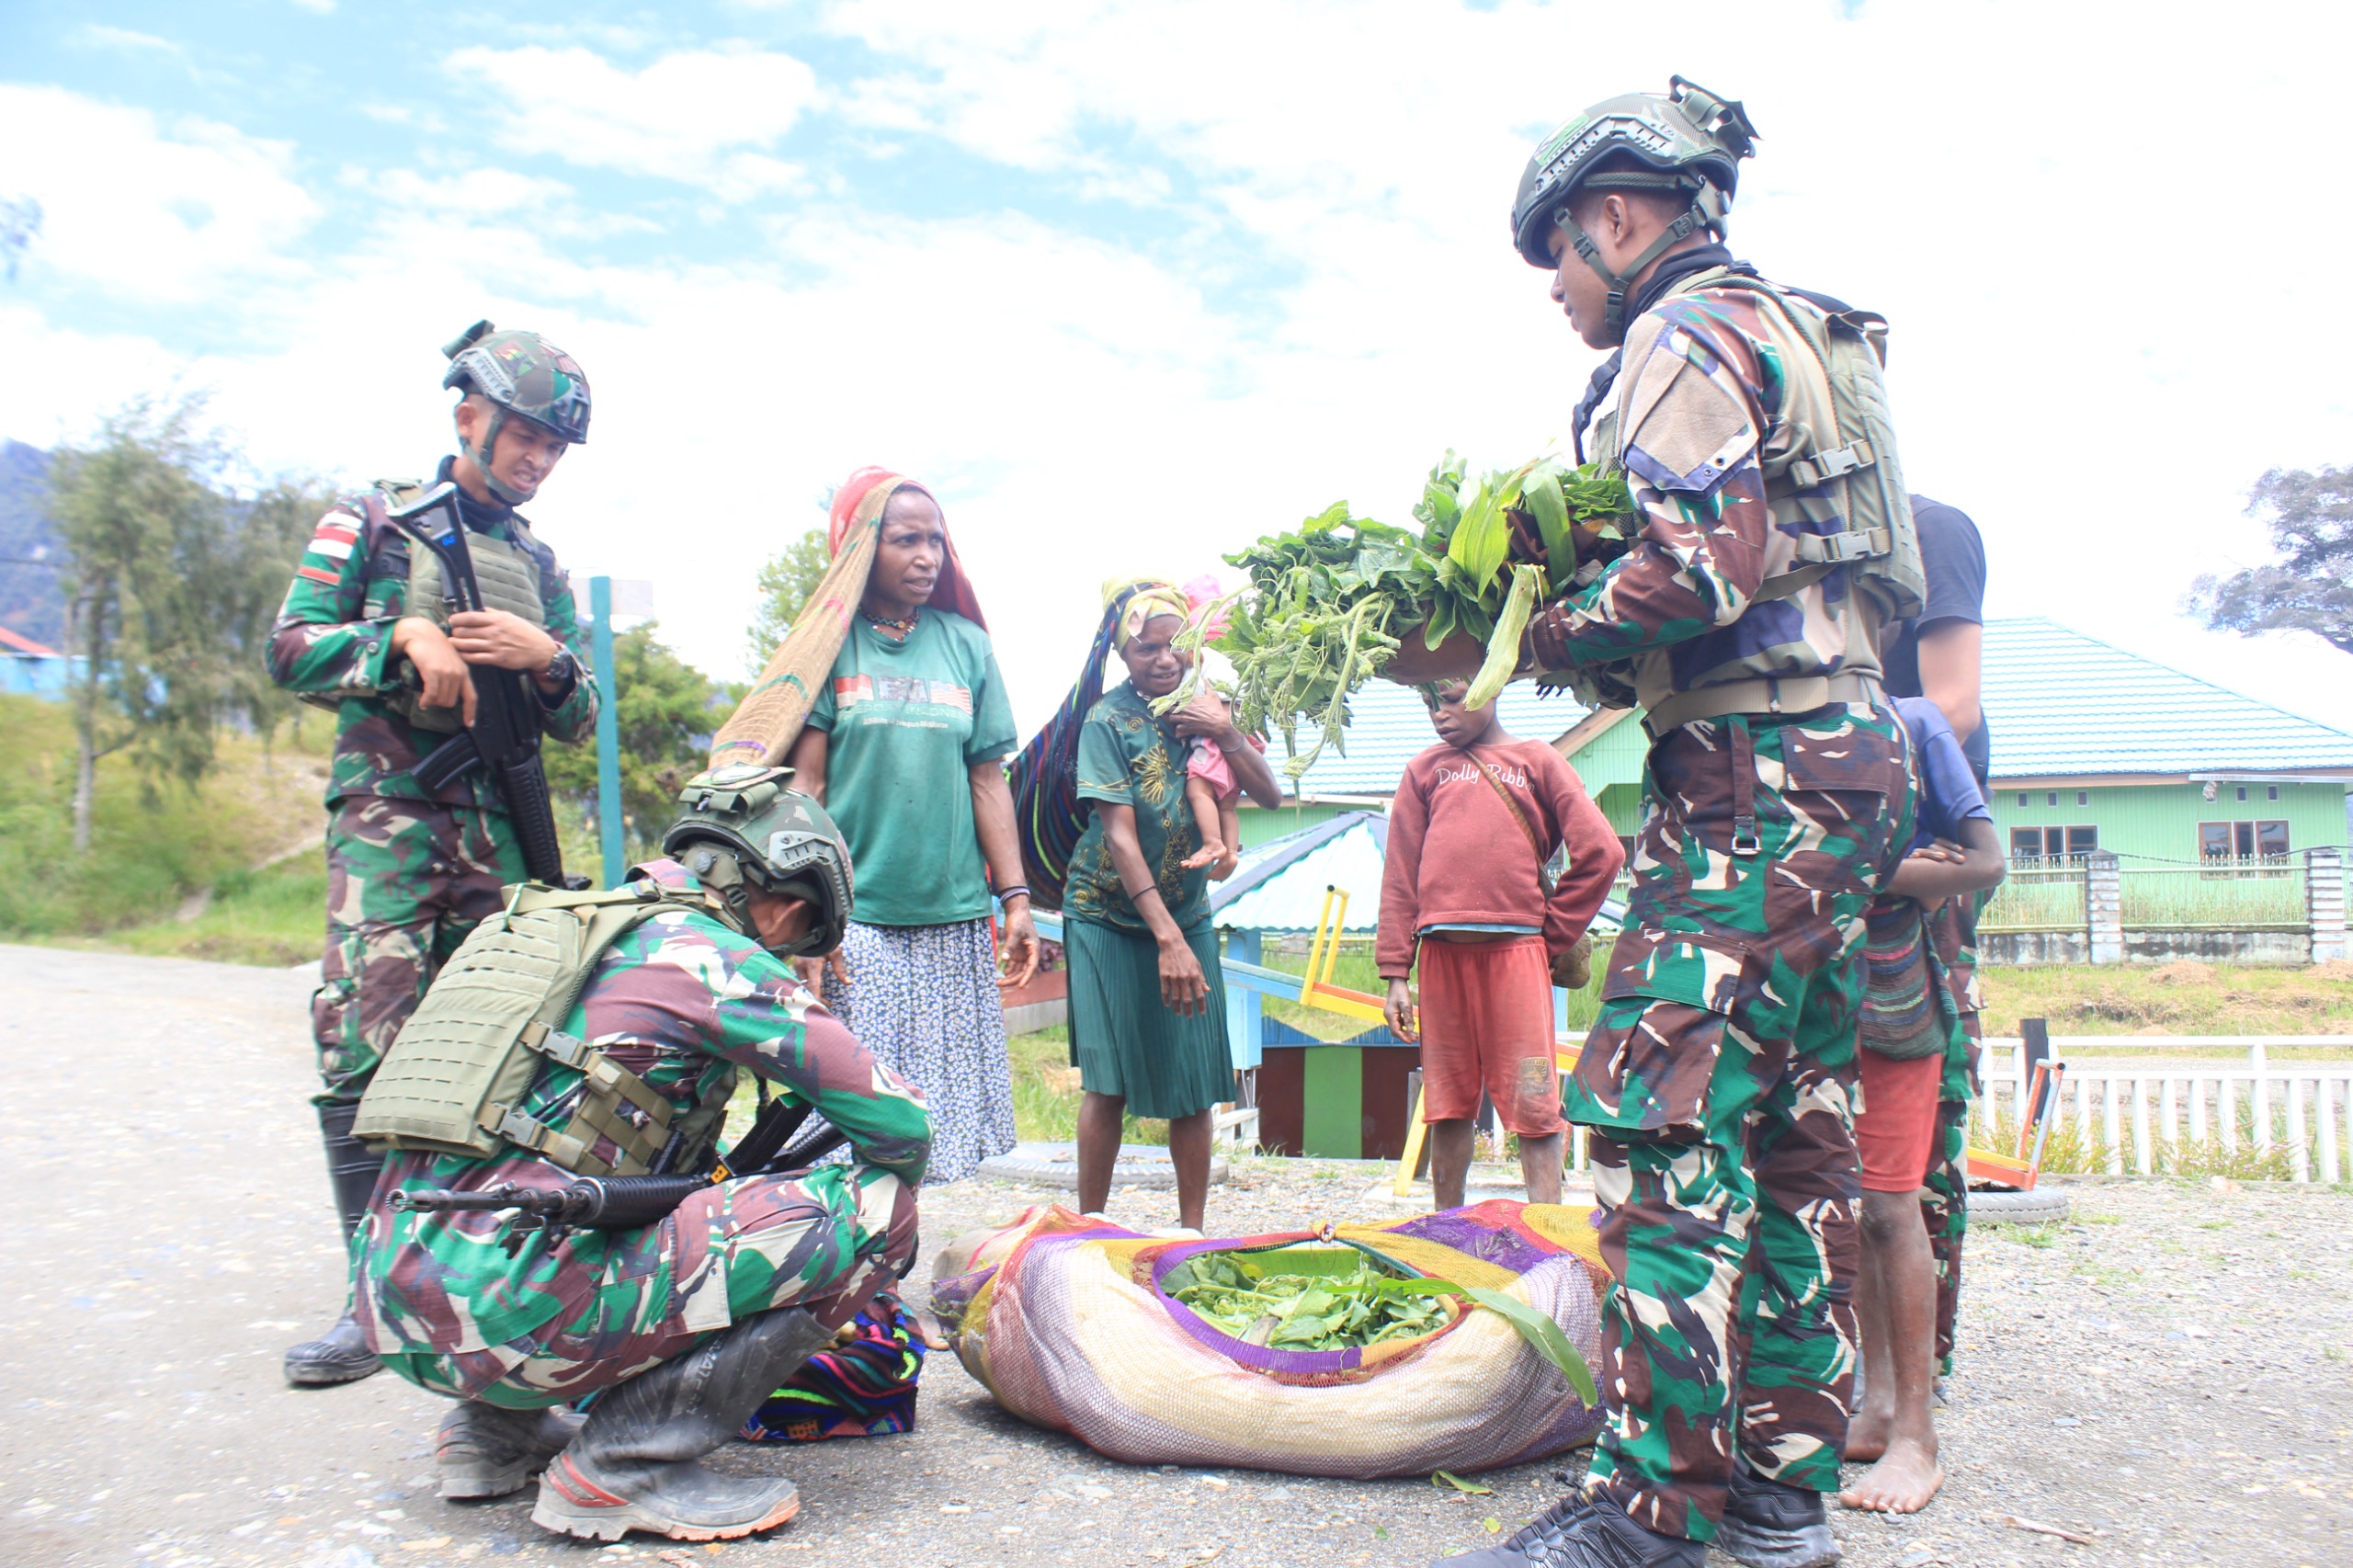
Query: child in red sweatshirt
<point x="1476" y="822"/>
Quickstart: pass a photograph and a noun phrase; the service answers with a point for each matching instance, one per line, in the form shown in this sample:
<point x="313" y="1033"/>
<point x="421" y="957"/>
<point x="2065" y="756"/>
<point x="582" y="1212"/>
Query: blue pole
<point x="608" y="732"/>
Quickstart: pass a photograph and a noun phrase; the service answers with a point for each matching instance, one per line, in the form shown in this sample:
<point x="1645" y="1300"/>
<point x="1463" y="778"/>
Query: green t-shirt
<point x="1128" y="757"/>
<point x="907" y="721"/>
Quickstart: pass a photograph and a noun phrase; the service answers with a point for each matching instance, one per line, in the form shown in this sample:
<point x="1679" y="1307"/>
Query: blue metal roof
<point x="2058" y="702"/>
<point x="1389" y="726"/>
<point x="1280" y="885"/>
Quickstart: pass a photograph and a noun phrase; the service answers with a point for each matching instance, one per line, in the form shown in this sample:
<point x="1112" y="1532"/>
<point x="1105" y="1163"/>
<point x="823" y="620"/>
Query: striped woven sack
<point x="1063" y="1320"/>
<point x="865" y="1386"/>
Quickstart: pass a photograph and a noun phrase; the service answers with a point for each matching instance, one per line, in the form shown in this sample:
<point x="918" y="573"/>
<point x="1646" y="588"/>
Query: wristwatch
<point x="564" y="668"/>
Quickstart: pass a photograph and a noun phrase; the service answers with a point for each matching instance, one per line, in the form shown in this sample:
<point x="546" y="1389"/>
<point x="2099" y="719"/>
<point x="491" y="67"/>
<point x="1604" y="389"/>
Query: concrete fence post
<point x="2325" y="901"/>
<point x="2104" y="905"/>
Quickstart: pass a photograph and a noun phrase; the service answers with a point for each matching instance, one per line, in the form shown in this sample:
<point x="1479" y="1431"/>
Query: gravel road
<point x="2171" y="1375"/>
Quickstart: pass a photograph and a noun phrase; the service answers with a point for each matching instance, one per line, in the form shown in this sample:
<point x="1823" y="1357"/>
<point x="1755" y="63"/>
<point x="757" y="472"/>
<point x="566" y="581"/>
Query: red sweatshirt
<point x="1457" y="855"/>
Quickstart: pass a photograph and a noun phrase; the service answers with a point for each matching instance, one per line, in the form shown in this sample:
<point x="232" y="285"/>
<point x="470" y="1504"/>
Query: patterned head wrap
<point x="1141" y="599"/>
<point x="859" y="501"/>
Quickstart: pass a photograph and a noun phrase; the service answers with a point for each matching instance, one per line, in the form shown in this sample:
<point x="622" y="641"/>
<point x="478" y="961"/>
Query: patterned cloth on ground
<point x="925" y="1000"/>
<point x="862" y="1389"/>
<point x="1063" y="1320"/>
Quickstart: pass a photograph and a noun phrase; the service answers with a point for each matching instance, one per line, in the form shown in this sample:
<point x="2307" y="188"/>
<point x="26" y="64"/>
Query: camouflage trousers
<point x="1944" y="1195"/>
<point x="406" y="880"/>
<point x="1719" y="1078"/>
<point x="727" y="1253"/>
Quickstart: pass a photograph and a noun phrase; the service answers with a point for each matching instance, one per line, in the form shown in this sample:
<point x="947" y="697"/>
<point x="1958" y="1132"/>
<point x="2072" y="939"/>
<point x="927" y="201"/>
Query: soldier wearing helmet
<point x="363" y="632"/>
<point x="685" y="1326"/>
<point x="1774" y="540"/>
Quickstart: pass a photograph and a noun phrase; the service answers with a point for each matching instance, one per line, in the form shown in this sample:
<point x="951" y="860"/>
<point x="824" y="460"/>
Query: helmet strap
<point x="1693" y="220"/>
<point x="480" y="454"/>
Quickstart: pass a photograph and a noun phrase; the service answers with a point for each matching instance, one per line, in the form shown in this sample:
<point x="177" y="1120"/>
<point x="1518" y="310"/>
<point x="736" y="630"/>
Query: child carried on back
<point x="1466" y="897"/>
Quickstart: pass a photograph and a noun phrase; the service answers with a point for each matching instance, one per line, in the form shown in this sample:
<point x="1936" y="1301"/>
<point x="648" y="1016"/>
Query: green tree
<point x="786" y="582"/>
<point x="145" y="534"/>
<point x="664" y="710"/>
<point x="2310" y="587"/>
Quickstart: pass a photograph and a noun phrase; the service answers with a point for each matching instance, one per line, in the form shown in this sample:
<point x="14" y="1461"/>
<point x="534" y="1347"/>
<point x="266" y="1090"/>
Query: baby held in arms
<point x="1211" y="791"/>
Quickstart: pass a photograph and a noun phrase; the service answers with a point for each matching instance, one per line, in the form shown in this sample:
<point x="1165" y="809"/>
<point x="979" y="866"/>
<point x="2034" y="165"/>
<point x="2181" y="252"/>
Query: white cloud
<point x="477" y="193"/>
<point x="98" y="35"/>
<point x="699" y="116"/>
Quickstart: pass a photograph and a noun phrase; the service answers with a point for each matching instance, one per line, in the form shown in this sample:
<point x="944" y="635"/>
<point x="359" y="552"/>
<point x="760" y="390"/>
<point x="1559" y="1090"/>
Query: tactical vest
<point x="1832" y="487"/>
<point x="506" y="573"/>
<point x="456" y="1077"/>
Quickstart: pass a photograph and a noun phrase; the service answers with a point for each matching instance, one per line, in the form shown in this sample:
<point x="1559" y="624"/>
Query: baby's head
<point x="1458" y="726"/>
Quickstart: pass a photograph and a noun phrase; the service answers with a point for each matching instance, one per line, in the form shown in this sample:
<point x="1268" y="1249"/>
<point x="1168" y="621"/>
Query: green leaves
<point x="1540" y="1329"/>
<point x="1503" y="647"/>
<point x="1441" y="1478"/>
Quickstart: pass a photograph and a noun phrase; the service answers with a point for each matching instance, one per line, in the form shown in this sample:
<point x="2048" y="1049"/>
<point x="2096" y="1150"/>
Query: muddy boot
<point x="341" y="1354"/>
<point x="1768" y="1524"/>
<point x="486" y="1450"/>
<point x="632" y="1467"/>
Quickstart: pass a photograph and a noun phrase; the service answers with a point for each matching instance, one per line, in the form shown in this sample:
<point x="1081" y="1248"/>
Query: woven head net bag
<point x="1064" y="1321"/>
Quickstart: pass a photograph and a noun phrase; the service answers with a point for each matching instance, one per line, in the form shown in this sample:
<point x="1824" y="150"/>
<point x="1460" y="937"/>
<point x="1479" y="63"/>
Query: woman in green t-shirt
<point x="906" y="747"/>
<point x="1147" y="1000"/>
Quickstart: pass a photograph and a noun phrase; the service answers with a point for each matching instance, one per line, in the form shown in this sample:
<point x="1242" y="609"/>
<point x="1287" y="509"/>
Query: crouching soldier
<point x="600" y="1035"/>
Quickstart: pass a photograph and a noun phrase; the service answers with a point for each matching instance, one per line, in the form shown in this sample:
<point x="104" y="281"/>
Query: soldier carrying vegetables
<point x="1772" y="541"/>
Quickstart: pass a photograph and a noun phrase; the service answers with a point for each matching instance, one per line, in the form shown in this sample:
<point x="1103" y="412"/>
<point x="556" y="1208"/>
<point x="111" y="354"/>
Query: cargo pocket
<point x="1648" y="1063"/>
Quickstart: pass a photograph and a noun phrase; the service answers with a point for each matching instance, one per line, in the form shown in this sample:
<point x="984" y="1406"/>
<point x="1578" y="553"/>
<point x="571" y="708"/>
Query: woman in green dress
<point x="1147" y="1010"/>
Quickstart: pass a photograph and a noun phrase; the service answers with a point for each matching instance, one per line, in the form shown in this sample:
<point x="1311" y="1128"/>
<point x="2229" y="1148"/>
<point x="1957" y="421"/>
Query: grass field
<point x="154" y="841"/>
<point x="2175" y="998"/>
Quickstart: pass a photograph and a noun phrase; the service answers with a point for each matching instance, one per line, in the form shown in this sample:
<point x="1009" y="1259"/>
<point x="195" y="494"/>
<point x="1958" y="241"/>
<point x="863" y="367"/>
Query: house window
<point x="2272" y="791"/>
<point x="2083" y="797"/>
<point x="2242" y="791"/>
<point x="2054" y="797"/>
<point x="2022" y="796"/>
<point x="2242" y="840"/>
<point x="2056" y="843"/>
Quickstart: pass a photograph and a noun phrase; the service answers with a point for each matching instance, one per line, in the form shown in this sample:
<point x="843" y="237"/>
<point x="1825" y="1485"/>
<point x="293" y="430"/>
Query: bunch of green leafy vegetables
<point x="1328" y="605"/>
<point x="1254" y="1298"/>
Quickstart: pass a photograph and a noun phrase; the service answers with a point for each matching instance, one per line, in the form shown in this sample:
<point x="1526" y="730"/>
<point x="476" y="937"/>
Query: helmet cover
<point x="1685" y="139"/>
<point x="522" y="373"/>
<point x="744" y="826"/>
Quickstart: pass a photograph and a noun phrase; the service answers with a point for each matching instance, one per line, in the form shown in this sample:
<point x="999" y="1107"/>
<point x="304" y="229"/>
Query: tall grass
<point x="2067" y="1151"/>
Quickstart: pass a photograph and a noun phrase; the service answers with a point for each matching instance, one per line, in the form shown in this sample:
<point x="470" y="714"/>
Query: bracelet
<point x="1017" y="889"/>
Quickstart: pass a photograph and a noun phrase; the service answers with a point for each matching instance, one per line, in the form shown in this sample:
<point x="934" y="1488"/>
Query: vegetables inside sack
<point x="1328" y="605"/>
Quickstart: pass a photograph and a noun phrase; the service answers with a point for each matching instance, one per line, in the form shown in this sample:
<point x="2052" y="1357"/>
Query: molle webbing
<point x="455" y="1079"/>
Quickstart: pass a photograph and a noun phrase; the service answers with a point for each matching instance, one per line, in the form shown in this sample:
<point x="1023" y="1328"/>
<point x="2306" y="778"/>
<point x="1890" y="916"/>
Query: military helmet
<point x="522" y="374"/>
<point x="1685" y="139"/>
<point x="745" y="826"/>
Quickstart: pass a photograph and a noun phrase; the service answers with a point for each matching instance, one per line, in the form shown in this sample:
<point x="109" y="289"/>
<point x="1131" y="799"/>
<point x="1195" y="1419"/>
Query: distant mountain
<point x="30" y="600"/>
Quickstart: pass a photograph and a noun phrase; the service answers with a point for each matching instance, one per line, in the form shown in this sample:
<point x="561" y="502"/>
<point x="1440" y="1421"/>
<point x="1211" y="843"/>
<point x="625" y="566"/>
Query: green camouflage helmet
<point x="745" y="826"/>
<point x="1686" y="138"/>
<point x="521" y="373"/>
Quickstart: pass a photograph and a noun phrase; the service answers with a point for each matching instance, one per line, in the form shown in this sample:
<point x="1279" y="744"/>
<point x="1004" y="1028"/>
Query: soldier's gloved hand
<point x="501" y="637"/>
<point x="439" y="665"/>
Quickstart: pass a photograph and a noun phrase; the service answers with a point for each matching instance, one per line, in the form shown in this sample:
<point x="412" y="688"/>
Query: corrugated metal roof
<point x="1389" y="726"/>
<point x="1281" y="883"/>
<point x="2058" y="702"/>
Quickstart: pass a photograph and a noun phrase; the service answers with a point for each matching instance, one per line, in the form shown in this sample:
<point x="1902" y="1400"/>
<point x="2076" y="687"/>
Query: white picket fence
<point x="2131" y="1109"/>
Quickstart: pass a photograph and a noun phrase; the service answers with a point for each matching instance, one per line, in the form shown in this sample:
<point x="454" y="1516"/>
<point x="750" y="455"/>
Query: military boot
<point x="632" y="1467"/>
<point x="486" y="1450"/>
<point x="1579" y="1531"/>
<point x="341" y="1354"/>
<point x="1768" y="1524"/>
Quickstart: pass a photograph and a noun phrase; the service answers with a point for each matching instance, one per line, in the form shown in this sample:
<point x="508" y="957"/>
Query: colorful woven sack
<point x="1063" y="1320"/>
<point x="863" y="1387"/>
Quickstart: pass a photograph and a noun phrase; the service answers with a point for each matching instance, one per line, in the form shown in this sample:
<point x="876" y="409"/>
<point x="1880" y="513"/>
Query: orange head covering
<point x="859" y="501"/>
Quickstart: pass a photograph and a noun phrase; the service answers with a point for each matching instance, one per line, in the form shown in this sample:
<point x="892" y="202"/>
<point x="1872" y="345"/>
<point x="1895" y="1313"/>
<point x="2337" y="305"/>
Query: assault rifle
<point x="505" y="736"/>
<point x="625" y="1203"/>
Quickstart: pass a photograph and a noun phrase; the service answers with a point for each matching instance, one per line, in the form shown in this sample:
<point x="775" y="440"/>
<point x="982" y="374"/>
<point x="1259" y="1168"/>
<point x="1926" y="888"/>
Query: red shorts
<point x="1898" y="1123"/>
<point x="1487" y="1024"/>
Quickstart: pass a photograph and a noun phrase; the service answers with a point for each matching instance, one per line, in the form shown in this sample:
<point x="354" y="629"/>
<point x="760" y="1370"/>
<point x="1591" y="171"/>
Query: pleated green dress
<point x="1123" y="1039"/>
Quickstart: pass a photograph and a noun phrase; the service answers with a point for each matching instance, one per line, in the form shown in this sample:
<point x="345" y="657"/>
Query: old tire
<point x="2044" y="1206"/>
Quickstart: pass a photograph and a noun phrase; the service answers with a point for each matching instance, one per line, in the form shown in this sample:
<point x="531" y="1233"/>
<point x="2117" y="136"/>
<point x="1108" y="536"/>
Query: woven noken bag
<point x="1064" y="1321"/>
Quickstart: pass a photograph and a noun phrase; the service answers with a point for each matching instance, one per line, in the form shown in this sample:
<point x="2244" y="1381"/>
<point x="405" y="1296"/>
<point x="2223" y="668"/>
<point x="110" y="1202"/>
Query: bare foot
<point x="1866" y="1435"/>
<point x="1903" y="1482"/>
<point x="1206" y="855"/>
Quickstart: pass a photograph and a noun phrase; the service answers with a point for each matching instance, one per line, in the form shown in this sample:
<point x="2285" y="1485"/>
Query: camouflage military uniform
<point x="683" y="1001"/>
<point x="409" y="871"/>
<point x="1720" y="1074"/>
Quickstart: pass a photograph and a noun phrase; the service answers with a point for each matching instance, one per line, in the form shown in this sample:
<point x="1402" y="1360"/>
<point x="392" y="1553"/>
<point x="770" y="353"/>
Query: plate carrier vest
<point x="463" y="1063"/>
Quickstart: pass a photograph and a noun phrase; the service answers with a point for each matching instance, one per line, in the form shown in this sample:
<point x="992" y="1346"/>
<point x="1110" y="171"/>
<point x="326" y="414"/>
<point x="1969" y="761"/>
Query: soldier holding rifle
<point x="424" y="829"/>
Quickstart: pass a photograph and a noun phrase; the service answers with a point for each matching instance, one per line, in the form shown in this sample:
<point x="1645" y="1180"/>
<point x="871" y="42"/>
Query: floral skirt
<point x="924" y="999"/>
